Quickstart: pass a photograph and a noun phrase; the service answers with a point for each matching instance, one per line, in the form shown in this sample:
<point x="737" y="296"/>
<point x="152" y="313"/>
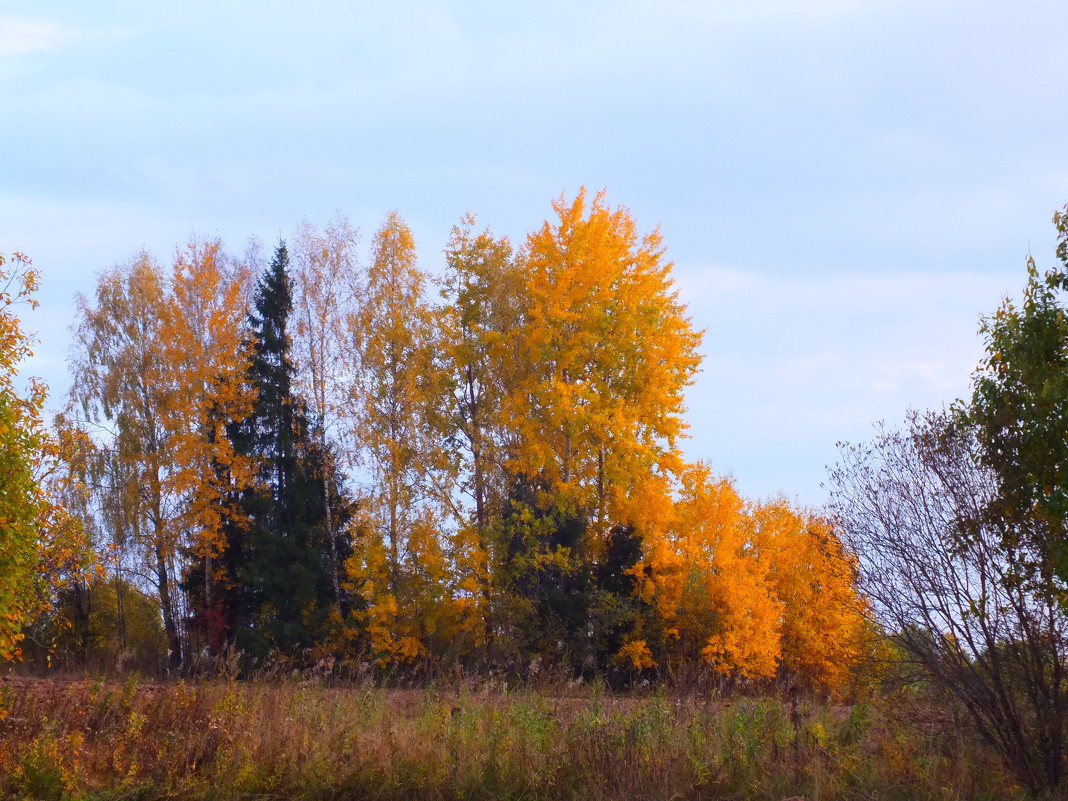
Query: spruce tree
<point x="280" y="556"/>
<point x="546" y="577"/>
<point x="562" y="600"/>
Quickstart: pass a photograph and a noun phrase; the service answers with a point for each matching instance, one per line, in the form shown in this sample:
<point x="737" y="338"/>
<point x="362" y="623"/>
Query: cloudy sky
<point x="845" y="186"/>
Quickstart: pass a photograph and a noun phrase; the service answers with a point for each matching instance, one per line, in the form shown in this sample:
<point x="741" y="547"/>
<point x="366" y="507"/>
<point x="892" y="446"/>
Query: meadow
<point x="320" y="739"/>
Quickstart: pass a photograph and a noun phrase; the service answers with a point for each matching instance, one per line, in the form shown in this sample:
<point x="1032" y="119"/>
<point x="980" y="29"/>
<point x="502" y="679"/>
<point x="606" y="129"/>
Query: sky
<point x="844" y="186"/>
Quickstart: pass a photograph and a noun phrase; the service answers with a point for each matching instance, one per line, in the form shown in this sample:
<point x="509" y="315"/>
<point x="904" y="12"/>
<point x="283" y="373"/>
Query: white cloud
<point x="796" y="363"/>
<point x="19" y="36"/>
<point x="937" y="375"/>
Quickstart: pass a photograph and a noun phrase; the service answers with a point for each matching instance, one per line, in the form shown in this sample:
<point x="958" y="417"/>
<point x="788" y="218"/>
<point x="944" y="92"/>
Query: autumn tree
<point x="205" y="349"/>
<point x="157" y="375"/>
<point x="822" y="630"/>
<point x="483" y="293"/>
<point x="326" y="289"/>
<point x="611" y="351"/>
<point x="711" y="588"/>
<point x="122" y="383"/>
<point x="750" y="590"/>
<point x="22" y="439"/>
<point x="400" y="569"/>
<point x="590" y="379"/>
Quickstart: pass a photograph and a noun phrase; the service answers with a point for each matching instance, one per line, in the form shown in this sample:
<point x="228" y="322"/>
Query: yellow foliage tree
<point x="159" y="373"/>
<point x="22" y="441"/>
<point x="398" y="565"/>
<point x="205" y="354"/>
<point x="610" y="352"/>
<point x="483" y="289"/>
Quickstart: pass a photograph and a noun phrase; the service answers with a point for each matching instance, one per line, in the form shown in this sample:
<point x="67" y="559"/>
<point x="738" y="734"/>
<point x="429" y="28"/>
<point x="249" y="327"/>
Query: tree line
<point x="310" y="458"/>
<point x="315" y="456"/>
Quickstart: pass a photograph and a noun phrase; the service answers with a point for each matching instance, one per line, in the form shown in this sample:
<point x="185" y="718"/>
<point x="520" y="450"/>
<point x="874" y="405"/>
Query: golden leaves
<point x="205" y="350"/>
<point x="565" y="364"/>
<point x="610" y="352"/>
<point x="158" y="373"/>
<point x="400" y="566"/>
<point x="24" y="451"/>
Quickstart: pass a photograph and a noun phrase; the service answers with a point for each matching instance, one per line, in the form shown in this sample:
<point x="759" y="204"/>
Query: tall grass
<point x="293" y="739"/>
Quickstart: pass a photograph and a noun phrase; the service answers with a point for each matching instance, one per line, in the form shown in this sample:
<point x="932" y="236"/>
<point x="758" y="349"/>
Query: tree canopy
<point x="1020" y="409"/>
<point x="23" y="440"/>
<point x="330" y="461"/>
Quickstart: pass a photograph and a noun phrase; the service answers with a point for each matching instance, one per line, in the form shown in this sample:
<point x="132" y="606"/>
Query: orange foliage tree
<point x="599" y="359"/>
<point x="753" y="590"/>
<point x="610" y="352"/>
<point x="710" y="587"/>
<point x="205" y="352"/>
<point x="822" y="632"/>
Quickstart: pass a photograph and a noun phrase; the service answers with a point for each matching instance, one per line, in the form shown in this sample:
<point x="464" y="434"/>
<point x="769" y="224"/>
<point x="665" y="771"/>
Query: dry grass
<point x="258" y="740"/>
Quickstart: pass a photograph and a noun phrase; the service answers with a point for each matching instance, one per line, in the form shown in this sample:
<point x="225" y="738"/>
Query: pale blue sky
<point x="844" y="186"/>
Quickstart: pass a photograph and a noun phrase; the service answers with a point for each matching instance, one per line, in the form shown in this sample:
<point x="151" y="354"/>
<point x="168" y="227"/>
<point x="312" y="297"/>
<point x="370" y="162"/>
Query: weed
<point x="225" y="740"/>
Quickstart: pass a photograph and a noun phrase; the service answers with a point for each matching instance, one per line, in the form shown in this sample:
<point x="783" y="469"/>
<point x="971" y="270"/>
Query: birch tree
<point x="611" y="351"/>
<point x="483" y="292"/>
<point x="326" y="289"/>
<point x="401" y="569"/>
<point x="157" y="375"/>
<point x="123" y="385"/>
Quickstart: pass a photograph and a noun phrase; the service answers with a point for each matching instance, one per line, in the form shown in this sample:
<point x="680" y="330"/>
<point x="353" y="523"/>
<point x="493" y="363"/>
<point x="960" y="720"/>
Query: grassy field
<point x="308" y="739"/>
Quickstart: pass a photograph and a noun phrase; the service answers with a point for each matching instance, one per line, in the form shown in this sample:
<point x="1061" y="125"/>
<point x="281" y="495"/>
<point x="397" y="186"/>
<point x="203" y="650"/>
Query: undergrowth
<point x="310" y="740"/>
